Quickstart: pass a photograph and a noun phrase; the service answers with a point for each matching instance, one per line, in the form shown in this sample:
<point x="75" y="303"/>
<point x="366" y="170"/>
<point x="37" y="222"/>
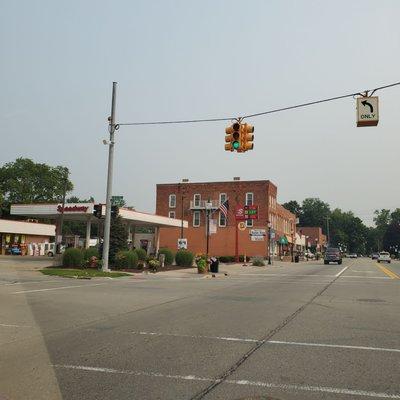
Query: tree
<point x="75" y="199"/>
<point x="314" y="213"/>
<point x="118" y="237"/>
<point x="391" y="238"/>
<point x="382" y="220"/>
<point x="293" y="206"/>
<point x="24" y="181"/>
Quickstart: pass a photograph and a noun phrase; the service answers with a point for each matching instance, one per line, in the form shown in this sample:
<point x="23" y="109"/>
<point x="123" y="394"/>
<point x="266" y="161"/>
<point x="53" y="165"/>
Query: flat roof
<point x="26" y="228"/>
<point x="84" y="212"/>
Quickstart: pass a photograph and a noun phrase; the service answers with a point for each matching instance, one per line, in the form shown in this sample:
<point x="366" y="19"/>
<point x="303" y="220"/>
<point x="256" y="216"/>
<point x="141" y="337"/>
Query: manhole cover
<point x="372" y="300"/>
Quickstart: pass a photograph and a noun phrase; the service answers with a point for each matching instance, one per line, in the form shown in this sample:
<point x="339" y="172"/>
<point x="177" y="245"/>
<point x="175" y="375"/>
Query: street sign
<point x="213" y="226"/>
<point x="272" y="234"/>
<point x="239" y="213"/>
<point x="242" y="226"/>
<point x="367" y="111"/>
<point x="257" y="238"/>
<point x="258" y="232"/>
<point x="182" y="243"/>
<point x="251" y="212"/>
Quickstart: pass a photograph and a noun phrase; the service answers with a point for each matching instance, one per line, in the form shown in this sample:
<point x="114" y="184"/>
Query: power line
<point x="192" y="121"/>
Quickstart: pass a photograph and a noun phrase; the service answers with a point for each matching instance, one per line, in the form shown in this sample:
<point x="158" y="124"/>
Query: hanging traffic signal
<point x="246" y="137"/>
<point x="232" y="137"/>
<point x="97" y="210"/>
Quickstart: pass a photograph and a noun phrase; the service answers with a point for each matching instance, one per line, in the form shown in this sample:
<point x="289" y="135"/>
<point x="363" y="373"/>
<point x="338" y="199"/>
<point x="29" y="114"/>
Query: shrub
<point x="226" y="259"/>
<point x="169" y="256"/>
<point x="90" y="252"/>
<point x="258" y="262"/>
<point x="241" y="258"/>
<point x="126" y="259"/>
<point x="184" y="258"/>
<point x="141" y="253"/>
<point x="72" y="258"/>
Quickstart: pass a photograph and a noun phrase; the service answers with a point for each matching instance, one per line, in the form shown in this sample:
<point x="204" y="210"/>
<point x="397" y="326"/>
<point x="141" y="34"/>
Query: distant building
<point x="315" y="239"/>
<point x="188" y="201"/>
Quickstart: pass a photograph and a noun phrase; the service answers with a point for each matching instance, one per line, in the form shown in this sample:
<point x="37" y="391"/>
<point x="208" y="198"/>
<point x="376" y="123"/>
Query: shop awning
<point x="283" y="240"/>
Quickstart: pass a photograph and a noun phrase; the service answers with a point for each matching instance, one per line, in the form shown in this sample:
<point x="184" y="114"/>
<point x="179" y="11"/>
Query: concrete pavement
<point x="292" y="331"/>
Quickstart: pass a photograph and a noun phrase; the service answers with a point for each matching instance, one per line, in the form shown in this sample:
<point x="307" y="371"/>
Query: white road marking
<point x="337" y="346"/>
<point x="289" y="387"/>
<point x="236" y="339"/>
<point x="28" y="282"/>
<point x="341" y="272"/>
<point x="366" y="277"/>
<point x="15" y="326"/>
<point x="57" y="288"/>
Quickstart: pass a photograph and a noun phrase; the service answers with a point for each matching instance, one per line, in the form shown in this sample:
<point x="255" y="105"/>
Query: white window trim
<point x="219" y="221"/>
<point x="194" y="214"/>
<point x="169" y="200"/>
<point x="194" y="199"/>
<point x="220" y="195"/>
<point x="170" y="213"/>
<point x="252" y="198"/>
<point x="249" y="223"/>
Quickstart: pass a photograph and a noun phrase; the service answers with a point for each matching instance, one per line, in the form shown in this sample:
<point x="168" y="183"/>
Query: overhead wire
<point x="192" y="121"/>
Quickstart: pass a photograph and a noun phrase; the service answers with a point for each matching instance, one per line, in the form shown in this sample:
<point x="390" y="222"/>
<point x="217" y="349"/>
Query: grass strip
<point x="80" y="273"/>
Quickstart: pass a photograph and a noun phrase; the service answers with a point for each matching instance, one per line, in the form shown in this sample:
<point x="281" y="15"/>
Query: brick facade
<point x="315" y="237"/>
<point x="264" y="194"/>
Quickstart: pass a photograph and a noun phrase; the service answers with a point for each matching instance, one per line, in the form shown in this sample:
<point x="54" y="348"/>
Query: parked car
<point x="352" y="255"/>
<point x="15" y="251"/>
<point x="384" y="256"/>
<point x="375" y="256"/>
<point x="49" y="249"/>
<point x="332" y="254"/>
<point x="308" y="255"/>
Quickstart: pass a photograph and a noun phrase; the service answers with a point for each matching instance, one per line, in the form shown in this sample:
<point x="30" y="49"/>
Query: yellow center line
<point x="388" y="272"/>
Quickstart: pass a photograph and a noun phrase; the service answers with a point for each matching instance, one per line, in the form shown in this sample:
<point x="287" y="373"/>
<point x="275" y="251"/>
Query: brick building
<point x="315" y="239"/>
<point x="187" y="201"/>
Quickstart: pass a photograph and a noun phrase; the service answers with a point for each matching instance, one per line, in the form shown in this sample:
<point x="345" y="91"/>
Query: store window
<point x="171" y="214"/>
<point x="172" y="201"/>
<point x="196" y="218"/>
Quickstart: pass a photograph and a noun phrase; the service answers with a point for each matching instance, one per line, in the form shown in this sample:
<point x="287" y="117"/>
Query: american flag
<point x="224" y="207"/>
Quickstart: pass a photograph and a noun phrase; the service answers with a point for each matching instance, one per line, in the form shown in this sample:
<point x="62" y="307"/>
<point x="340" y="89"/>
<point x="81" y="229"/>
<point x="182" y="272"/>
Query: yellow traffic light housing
<point x="246" y="137"/>
<point x="232" y="137"/>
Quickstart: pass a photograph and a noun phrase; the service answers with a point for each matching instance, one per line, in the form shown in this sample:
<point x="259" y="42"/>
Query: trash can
<point x="214" y="264"/>
<point x="296" y="258"/>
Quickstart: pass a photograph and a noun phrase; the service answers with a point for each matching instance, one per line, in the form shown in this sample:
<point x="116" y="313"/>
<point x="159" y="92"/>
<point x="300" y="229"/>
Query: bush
<point x="226" y="259"/>
<point x="90" y="252"/>
<point x="72" y="258"/>
<point x="258" y="262"/>
<point x="126" y="259"/>
<point x="141" y="253"/>
<point x="241" y="258"/>
<point x="184" y="258"/>
<point x="169" y="256"/>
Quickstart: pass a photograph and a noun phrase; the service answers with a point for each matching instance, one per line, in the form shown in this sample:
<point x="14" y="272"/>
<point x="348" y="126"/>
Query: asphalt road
<point x="290" y="331"/>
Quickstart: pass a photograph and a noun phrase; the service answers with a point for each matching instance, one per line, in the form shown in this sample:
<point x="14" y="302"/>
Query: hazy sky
<point x="200" y="59"/>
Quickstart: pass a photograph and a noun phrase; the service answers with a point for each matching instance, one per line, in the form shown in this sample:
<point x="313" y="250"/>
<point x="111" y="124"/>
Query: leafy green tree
<point x="382" y="221"/>
<point x="314" y="213"/>
<point x="118" y="238"/>
<point x="75" y="199"/>
<point x="24" y="181"/>
<point x="391" y="238"/>
<point x="294" y="207"/>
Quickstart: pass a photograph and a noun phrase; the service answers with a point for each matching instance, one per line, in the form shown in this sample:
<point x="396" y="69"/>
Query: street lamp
<point x="292" y="233"/>
<point x="269" y="241"/>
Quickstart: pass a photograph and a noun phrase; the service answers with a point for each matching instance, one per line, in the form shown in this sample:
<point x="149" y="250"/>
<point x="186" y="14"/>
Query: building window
<point x="172" y="201"/>
<point x="249" y="223"/>
<point x="249" y="199"/>
<point x="196" y="200"/>
<point x="171" y="214"/>
<point x="222" y="218"/>
<point x="222" y="198"/>
<point x="196" y="218"/>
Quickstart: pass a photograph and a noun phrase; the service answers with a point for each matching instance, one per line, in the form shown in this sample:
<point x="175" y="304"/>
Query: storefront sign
<point x="257" y="238"/>
<point x="72" y="208"/>
<point x="258" y="232"/>
<point x="242" y="226"/>
<point x="250" y="212"/>
<point x="239" y="213"/>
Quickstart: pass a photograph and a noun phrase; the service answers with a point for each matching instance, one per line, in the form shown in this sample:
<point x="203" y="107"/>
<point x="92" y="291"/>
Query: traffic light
<point x="232" y="137"/>
<point x="97" y="210"/>
<point x="114" y="211"/>
<point x="246" y="137"/>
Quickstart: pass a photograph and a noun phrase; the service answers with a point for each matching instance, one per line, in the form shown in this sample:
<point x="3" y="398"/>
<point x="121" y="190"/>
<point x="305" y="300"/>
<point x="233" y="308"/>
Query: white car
<point x="384" y="256"/>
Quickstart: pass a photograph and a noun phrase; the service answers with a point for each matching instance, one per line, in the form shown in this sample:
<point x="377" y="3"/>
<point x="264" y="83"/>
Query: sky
<point x="214" y="58"/>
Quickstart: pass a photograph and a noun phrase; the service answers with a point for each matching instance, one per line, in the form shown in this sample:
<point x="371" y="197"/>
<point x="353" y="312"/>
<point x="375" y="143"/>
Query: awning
<point x="283" y="240"/>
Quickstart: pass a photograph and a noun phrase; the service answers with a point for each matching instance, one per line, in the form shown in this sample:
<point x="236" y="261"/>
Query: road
<point x="288" y="331"/>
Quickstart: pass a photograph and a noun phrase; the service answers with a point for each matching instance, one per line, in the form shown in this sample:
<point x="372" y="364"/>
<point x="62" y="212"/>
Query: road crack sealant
<point x="264" y="340"/>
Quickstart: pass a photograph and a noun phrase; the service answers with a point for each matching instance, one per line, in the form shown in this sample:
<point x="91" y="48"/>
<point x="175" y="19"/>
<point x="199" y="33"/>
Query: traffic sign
<point x="242" y="226"/>
<point x="182" y="243"/>
<point x="367" y="111"/>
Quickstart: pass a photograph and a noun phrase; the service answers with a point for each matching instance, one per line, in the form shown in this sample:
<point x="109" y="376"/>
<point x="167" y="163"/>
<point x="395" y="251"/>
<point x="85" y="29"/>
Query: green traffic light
<point x="235" y="145"/>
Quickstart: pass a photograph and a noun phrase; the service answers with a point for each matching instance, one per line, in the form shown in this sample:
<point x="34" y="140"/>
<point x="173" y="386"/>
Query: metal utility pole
<point x="269" y="242"/>
<point x="107" y="224"/>
<point x="61" y="222"/>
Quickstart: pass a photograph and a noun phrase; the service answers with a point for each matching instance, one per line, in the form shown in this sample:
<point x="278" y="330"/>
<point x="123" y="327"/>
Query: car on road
<point x="332" y="254"/>
<point x="384" y="256"/>
<point x="375" y="256"/>
<point x="352" y="255"/>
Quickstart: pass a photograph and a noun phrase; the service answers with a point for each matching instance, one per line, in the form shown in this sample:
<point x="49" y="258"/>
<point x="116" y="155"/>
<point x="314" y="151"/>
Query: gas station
<point x="84" y="212"/>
